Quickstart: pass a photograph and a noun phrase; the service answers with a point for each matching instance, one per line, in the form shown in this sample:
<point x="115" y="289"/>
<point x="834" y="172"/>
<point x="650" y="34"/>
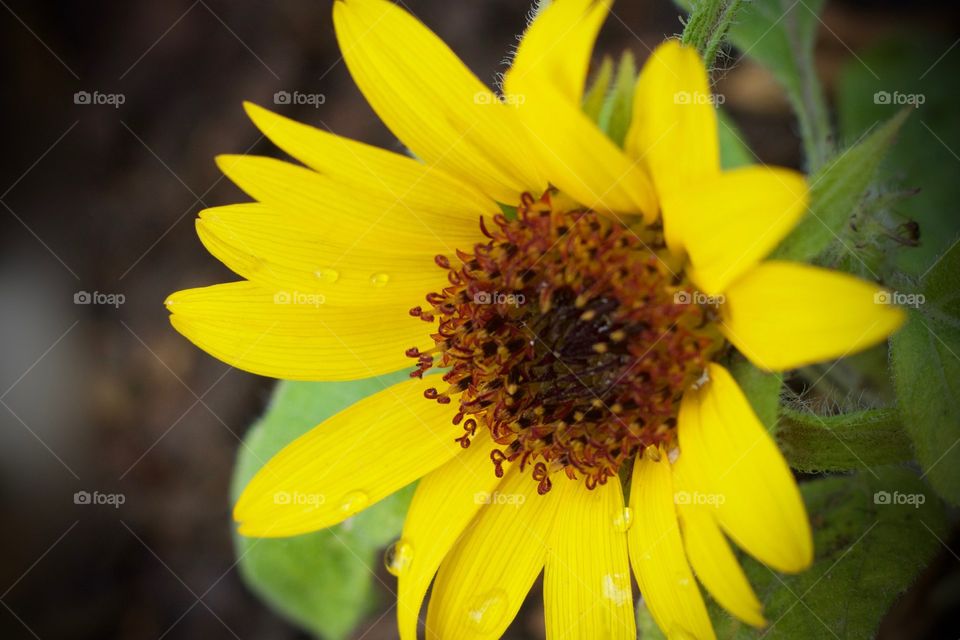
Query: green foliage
<point x="761" y="388"/>
<point x="850" y="441"/>
<point x="708" y="24"/>
<point x="617" y="110"/>
<point x="925" y="355"/>
<point x="873" y="533"/>
<point x="611" y="107"/>
<point x="734" y="151"/>
<point x="647" y="629"/>
<point x="872" y="88"/>
<point x="780" y="35"/>
<point x="323" y="581"/>
<point x="835" y="191"/>
<point x="609" y="100"/>
<point x="596" y="93"/>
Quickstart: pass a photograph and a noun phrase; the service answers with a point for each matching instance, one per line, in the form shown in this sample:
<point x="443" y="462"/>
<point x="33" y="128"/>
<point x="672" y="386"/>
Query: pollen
<point x="569" y="337"/>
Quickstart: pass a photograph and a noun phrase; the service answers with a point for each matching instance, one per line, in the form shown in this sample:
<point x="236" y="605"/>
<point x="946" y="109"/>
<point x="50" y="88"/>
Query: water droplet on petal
<point x="486" y="612"/>
<point x="683" y="581"/>
<point x="354" y="501"/>
<point x="380" y="279"/>
<point x="622" y="519"/>
<point x="398" y="557"/>
<point x="327" y="274"/>
<point x="616" y="588"/>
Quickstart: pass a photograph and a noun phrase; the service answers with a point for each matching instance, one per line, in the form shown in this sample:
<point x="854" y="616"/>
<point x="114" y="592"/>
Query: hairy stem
<point x="708" y="25"/>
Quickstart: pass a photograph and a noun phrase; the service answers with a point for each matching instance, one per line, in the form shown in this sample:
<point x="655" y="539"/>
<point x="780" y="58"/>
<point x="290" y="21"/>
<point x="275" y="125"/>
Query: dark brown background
<point x="102" y="199"/>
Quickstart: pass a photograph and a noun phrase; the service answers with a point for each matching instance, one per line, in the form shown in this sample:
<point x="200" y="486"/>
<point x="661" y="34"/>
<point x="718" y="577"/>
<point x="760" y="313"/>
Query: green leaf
<point x="596" y="95"/>
<point x="734" y="151"/>
<point x="761" y="388"/>
<point x="871" y="88"/>
<point x="321" y="581"/>
<point x="612" y="110"/>
<point x="647" y="629"/>
<point x="850" y="441"/>
<point x="780" y="35"/>
<point x="941" y="288"/>
<point x="925" y="355"/>
<point x="872" y="536"/>
<point x="617" y="110"/>
<point x="835" y="191"/>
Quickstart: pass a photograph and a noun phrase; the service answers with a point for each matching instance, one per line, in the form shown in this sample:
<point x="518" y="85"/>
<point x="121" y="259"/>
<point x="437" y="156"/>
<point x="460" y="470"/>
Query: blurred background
<point x="112" y="114"/>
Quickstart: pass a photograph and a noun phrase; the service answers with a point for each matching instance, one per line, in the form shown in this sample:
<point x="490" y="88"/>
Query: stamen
<point x="563" y="337"/>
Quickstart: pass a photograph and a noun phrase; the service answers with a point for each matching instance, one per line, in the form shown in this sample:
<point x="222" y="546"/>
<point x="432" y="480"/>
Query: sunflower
<point x="578" y="300"/>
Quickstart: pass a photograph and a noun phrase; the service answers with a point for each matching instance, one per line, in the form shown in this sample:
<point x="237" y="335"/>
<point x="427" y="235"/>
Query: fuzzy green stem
<point x="707" y="26"/>
<point x="843" y="442"/>
<point x="810" y="104"/>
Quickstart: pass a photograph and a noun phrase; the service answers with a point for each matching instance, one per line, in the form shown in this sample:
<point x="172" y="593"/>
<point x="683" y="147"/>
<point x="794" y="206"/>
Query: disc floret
<point x="568" y="336"/>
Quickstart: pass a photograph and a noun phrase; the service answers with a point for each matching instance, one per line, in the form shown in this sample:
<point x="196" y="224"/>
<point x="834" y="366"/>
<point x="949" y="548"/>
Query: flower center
<point x="569" y="337"/>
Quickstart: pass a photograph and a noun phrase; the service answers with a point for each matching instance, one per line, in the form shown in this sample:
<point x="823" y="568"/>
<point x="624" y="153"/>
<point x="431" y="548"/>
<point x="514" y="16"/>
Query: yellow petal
<point x="431" y="101"/>
<point x="582" y="161"/>
<point x="586" y="583"/>
<point x="378" y="218"/>
<point x="674" y="126"/>
<point x="295" y="336"/>
<point x="264" y="246"/>
<point x="783" y="315"/>
<point x="556" y="48"/>
<point x="484" y="579"/>
<point x="349" y="462"/>
<point x="727" y="224"/>
<point x="444" y="503"/>
<point x="729" y="456"/>
<point x="710" y="554"/>
<point x="361" y="165"/>
<point x="656" y="553"/>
